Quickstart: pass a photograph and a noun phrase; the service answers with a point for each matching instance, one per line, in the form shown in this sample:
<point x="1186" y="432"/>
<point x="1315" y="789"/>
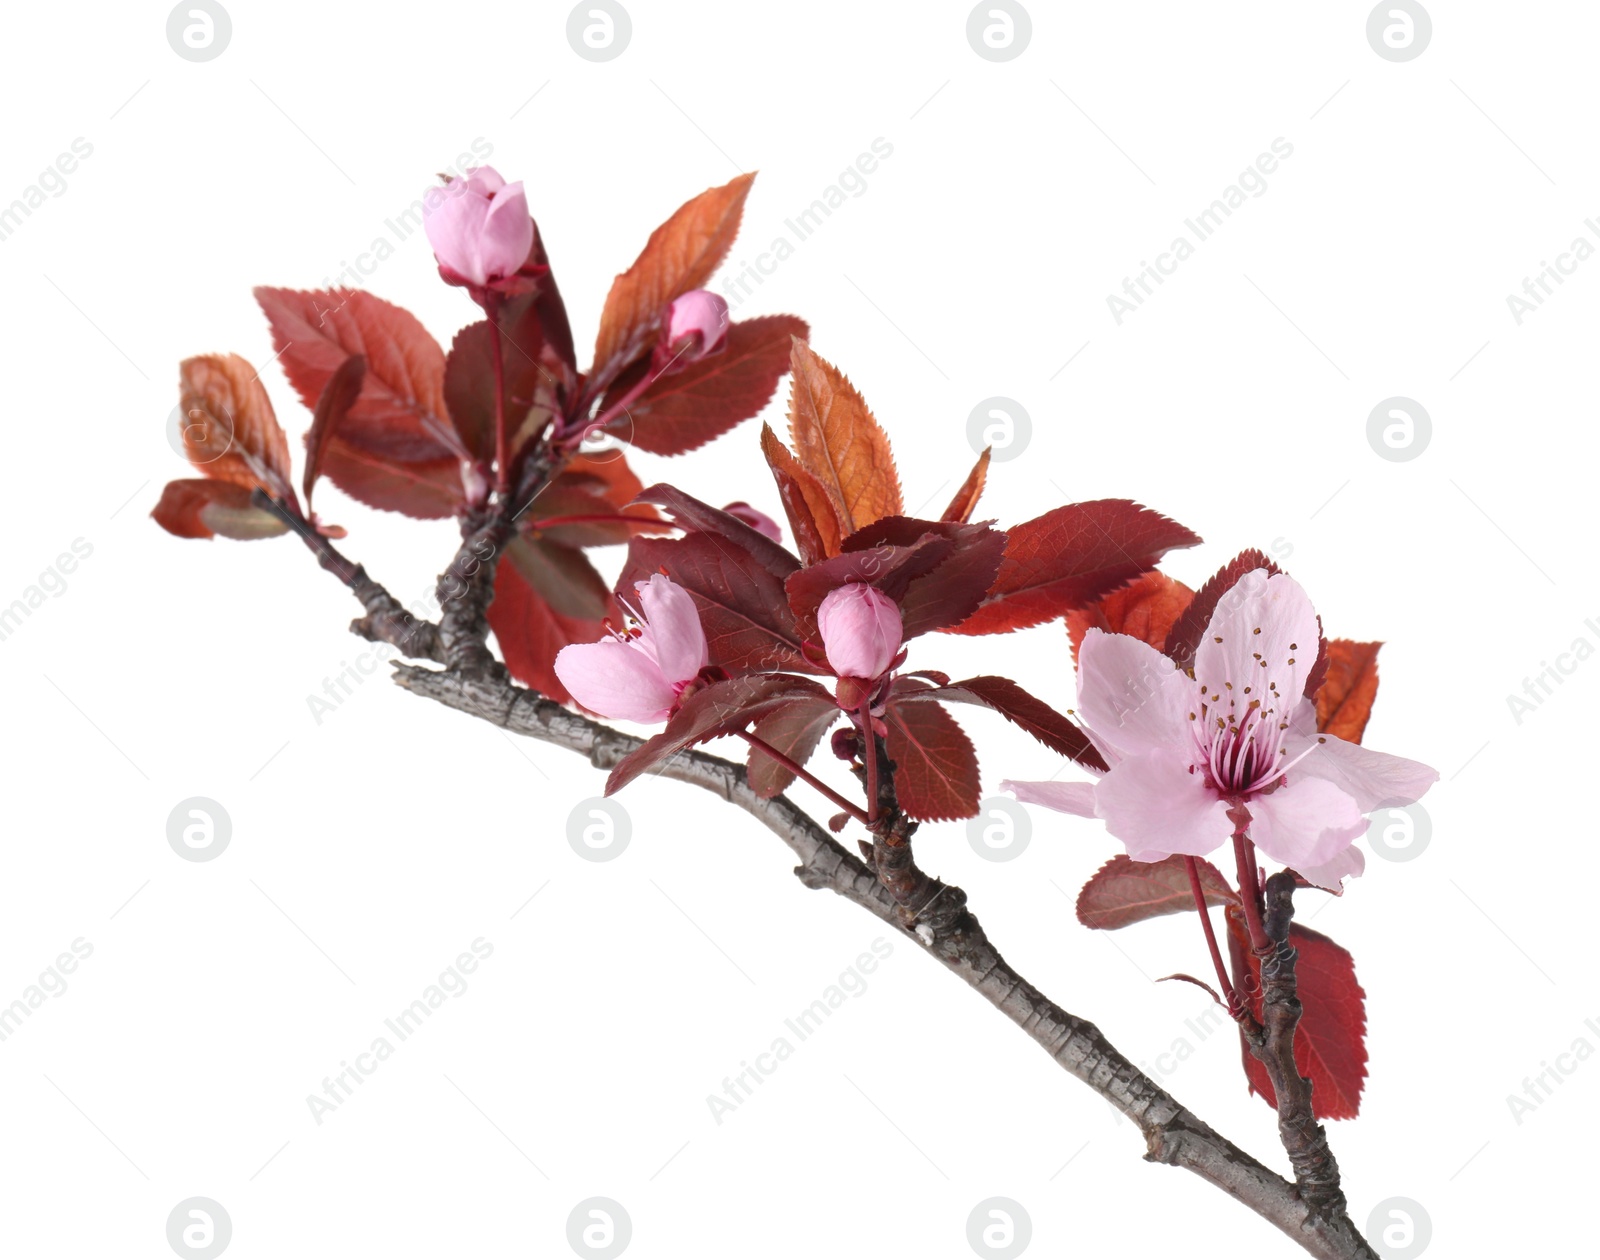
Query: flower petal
<point x="1331" y="874"/>
<point x="672" y="633"/>
<point x="1157" y="806"/>
<point x="507" y="232"/>
<point x="1064" y="798"/>
<point x="1132" y="698"/>
<point x="1263" y="636"/>
<point x="615" y="680"/>
<point x="1306" y="822"/>
<point x="1370" y="777"/>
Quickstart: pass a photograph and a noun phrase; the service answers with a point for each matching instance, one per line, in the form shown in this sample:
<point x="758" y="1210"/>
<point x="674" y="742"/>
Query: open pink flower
<point x="861" y="630"/>
<point x="1240" y="733"/>
<point x="639" y="676"/>
<point x="479" y="227"/>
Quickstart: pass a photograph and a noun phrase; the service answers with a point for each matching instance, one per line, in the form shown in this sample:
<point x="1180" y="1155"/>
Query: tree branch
<point x="946" y="929"/>
<point x="1316" y="1171"/>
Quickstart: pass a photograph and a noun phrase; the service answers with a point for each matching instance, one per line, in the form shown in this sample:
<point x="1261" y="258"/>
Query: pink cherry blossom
<point x="479" y="227"/>
<point x="697" y="314"/>
<point x="861" y="630"/>
<point x="639" y="676"/>
<point x="1183" y="751"/>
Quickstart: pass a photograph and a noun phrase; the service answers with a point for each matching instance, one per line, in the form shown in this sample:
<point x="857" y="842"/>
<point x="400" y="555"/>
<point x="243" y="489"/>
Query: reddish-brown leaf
<point x="1054" y="730"/>
<point x="682" y="254"/>
<point x="197" y="508"/>
<point x="1070" y="557"/>
<point x="530" y="632"/>
<point x="971" y="491"/>
<point x="1184" y="636"/>
<point x="949" y="593"/>
<point x="795" y="730"/>
<point x="891" y="568"/>
<point x="1344" y="702"/>
<point x="427" y="490"/>
<point x="839" y="443"/>
<point x="717" y="709"/>
<point x="1145" y="608"/>
<point x="686" y="409"/>
<point x="561" y="576"/>
<point x="812" y="518"/>
<point x="689" y="513"/>
<point x="531" y="371"/>
<point x="338" y="396"/>
<point x="935" y="766"/>
<point x="1330" y="1041"/>
<point x="743" y="609"/>
<point x="591" y="486"/>
<point x="1124" y="891"/>
<point x="230" y="432"/>
<point x="401" y="412"/>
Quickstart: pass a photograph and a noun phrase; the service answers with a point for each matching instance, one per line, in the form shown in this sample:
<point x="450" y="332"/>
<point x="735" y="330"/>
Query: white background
<point x="372" y="848"/>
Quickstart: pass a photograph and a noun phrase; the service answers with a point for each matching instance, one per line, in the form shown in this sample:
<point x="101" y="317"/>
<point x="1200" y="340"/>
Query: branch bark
<point x="938" y="920"/>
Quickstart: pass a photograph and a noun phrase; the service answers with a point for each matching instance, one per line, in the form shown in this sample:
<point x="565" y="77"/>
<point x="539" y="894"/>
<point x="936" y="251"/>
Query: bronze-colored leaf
<point x="839" y="442"/>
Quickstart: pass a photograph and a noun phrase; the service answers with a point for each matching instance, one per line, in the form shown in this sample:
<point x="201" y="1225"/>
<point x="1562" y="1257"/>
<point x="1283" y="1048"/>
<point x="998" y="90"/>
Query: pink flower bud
<point x="479" y="227"/>
<point x="698" y="315"/>
<point x="861" y="630"/>
<point x="755" y="519"/>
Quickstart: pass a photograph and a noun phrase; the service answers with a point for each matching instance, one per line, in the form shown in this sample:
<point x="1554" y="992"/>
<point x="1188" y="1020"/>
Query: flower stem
<point x="869" y="750"/>
<point x="492" y="304"/>
<point x="1244" y="856"/>
<point x="1235" y="1002"/>
<point x="800" y="772"/>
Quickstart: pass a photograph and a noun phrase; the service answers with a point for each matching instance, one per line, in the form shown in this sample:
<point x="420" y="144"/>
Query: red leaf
<point x="935" y="766"/>
<point x="795" y="730"/>
<point x="890" y="568"/>
<point x="400" y="413"/>
<point x="1124" y="891"/>
<point x="1330" y="1041"/>
<point x="1145" y="608"/>
<point x="971" y="491"/>
<point x="534" y="375"/>
<point x="742" y="606"/>
<point x="686" y="409"/>
<point x="812" y="518"/>
<point x="561" y="576"/>
<point x="197" y="508"/>
<point x="340" y="393"/>
<point x="1054" y="730"/>
<point x="1344" y="702"/>
<point x="717" y="709"/>
<point x="426" y="490"/>
<point x="1071" y="556"/>
<point x="840" y="443"/>
<point x="230" y="432"/>
<point x="691" y="514"/>
<point x="1184" y="636"/>
<point x="682" y="254"/>
<point x="952" y="591"/>
<point x="591" y="486"/>
<point x="530" y="632"/>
